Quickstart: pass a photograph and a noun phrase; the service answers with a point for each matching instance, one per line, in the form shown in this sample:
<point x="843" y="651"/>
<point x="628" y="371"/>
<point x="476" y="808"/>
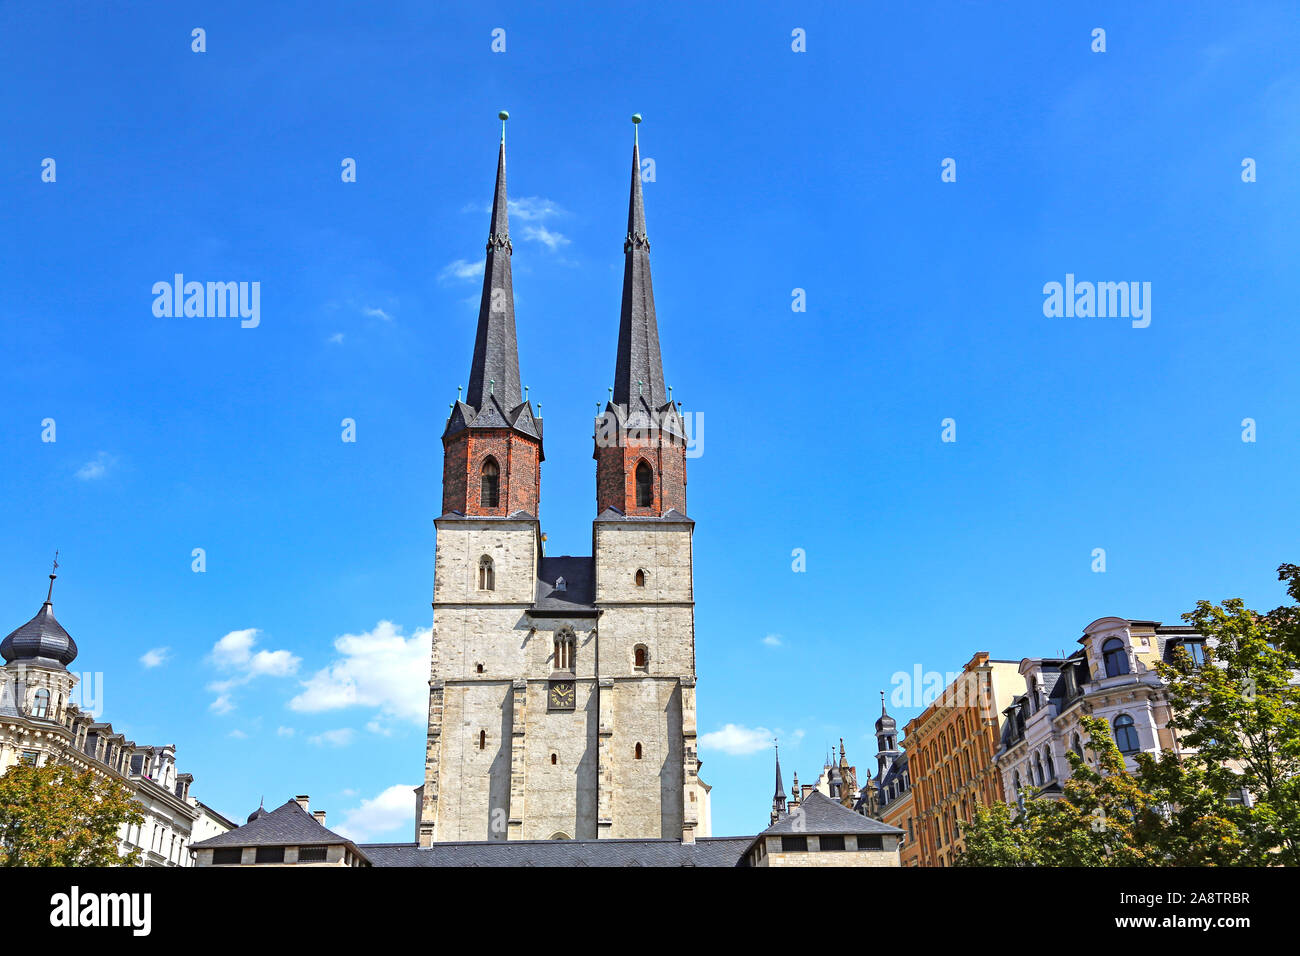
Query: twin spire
<point x="494" y="397"/>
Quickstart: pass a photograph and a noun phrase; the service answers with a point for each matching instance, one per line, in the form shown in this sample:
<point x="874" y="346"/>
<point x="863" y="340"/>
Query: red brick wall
<point x="517" y="457"/>
<point x="616" y="474"/>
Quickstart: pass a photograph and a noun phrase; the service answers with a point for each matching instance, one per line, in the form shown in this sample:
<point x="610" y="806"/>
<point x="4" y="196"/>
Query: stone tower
<point x="562" y="689"/>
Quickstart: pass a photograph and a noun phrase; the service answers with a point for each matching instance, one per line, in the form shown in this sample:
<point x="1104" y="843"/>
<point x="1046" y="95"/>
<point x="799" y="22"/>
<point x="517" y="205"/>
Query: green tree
<point x="57" y="816"/>
<point x="1097" y="822"/>
<point x="1240" y="713"/>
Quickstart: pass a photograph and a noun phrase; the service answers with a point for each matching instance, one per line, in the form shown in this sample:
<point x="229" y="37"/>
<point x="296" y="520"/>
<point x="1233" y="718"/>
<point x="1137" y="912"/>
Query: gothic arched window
<point x="564" y="646"/>
<point x="41" y="703"/>
<point x="487" y="578"/>
<point x="1126" y="738"/>
<point x="645" y="492"/>
<point x="1115" y="657"/>
<point x="489" y="495"/>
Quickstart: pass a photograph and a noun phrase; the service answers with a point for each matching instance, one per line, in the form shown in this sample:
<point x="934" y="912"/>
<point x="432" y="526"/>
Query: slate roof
<point x="671" y="515"/>
<point x="287" y="825"/>
<point x="820" y="814"/>
<point x="579" y="595"/>
<point x="708" y="851"/>
<point x="42" y="640"/>
<point x="638" y="358"/>
<point x="494" y="398"/>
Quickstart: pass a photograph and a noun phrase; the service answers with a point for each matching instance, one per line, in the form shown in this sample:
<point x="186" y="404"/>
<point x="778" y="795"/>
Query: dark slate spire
<point x="42" y="640"/>
<point x="494" y="373"/>
<point x="639" y="371"/>
<point x="778" y="798"/>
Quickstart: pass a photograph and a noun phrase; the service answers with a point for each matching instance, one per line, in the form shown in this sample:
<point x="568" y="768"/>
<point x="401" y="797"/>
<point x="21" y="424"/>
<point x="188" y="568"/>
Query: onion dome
<point x="884" y="723"/>
<point x="42" y="640"/>
<point x="261" y="811"/>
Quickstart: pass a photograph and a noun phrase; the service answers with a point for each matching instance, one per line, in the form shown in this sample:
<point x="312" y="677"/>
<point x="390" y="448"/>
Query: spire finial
<point x="636" y="123"/>
<point x="883" y="712"/>
<point x="503" y="116"/>
<point x="49" y="595"/>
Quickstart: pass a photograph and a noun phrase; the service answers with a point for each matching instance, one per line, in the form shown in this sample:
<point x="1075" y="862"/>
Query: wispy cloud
<point x="552" y="240"/>
<point x="334" y="738"/>
<point x="773" y="640"/>
<point x="737" y="740"/>
<point x="97" y="467"/>
<point x="376" y="313"/>
<point x="462" y="270"/>
<point x="392" y="810"/>
<point x="285" y="731"/>
<point x="234" y="656"/>
<point x="381" y="670"/>
<point x="335" y="339"/>
<point x="155" y="657"/>
<point x="238" y="734"/>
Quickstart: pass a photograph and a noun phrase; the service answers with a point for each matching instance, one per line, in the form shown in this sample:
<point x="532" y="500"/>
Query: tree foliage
<point x="1230" y="796"/>
<point x="58" y="816"/>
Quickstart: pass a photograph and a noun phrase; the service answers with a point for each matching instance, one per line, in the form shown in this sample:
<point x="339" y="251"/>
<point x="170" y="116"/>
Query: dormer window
<point x="41" y="703"/>
<point x="489" y="493"/>
<point x="561" y="584"/>
<point x="487" y="580"/>
<point x="1115" y="657"/>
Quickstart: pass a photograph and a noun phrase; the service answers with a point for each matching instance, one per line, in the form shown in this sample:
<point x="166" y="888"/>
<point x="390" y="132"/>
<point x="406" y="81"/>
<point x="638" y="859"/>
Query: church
<point x="562" y="687"/>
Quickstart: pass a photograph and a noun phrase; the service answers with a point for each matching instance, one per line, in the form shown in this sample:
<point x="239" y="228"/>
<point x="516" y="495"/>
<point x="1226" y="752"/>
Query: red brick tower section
<point x="640" y="438"/>
<point x="492" y="446"/>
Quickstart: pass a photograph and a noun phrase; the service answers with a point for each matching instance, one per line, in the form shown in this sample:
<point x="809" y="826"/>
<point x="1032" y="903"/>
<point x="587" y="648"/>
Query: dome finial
<point x="636" y="121"/>
<point x="49" y="596"/>
<point x="503" y="116"/>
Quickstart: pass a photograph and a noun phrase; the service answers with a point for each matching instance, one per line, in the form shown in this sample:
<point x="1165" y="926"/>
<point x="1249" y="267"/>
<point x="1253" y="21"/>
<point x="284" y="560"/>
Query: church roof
<point x="579" y="594"/>
<point x="672" y="515"/>
<point x="707" y="851"/>
<point x="42" y="640"/>
<point x="820" y="814"/>
<point x="287" y="825"/>
<point x="640" y="399"/>
<point x="494" y="398"/>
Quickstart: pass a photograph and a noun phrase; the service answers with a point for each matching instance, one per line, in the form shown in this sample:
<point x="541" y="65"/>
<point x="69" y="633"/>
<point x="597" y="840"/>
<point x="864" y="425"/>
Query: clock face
<point x="562" y="695"/>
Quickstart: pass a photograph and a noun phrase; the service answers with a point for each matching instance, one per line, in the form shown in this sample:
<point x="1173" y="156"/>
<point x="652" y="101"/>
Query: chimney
<point x="320" y="817"/>
<point x="301" y="800"/>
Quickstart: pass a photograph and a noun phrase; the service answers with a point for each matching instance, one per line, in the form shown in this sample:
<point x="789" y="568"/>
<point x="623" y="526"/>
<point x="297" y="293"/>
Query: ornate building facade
<point x="562" y="688"/>
<point x="1113" y="677"/>
<point x="41" y="723"/>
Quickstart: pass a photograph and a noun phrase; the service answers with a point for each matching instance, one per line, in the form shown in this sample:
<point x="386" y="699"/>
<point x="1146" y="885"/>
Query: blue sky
<point x="775" y="170"/>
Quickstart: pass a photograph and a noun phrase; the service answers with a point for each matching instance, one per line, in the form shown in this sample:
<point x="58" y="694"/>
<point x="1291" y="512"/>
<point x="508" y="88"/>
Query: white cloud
<point x="773" y="640"/>
<point x="377" y="314"/>
<point x="737" y="740"/>
<point x="238" y="735"/>
<point x="97" y="467"/>
<point x="462" y="270"/>
<point x="335" y="339"/>
<point x="552" y="240"/>
<point x="285" y="731"/>
<point x="155" y="657"/>
<point x="334" y="738"/>
<point x="381" y="670"/>
<point x="233" y="655"/>
<point x="391" y="811"/>
<point x="532" y="208"/>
